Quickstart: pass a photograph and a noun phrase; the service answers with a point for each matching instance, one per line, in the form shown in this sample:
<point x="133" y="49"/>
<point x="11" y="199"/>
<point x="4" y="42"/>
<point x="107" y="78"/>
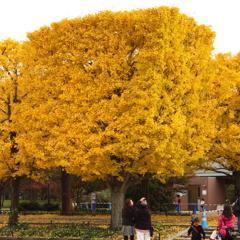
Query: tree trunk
<point x="3" y="198"/>
<point x="66" y="208"/>
<point x="15" y="187"/>
<point x="77" y="198"/>
<point x="118" y="190"/>
<point x="117" y="198"/>
<point x="145" y="189"/>
<point x="48" y="193"/>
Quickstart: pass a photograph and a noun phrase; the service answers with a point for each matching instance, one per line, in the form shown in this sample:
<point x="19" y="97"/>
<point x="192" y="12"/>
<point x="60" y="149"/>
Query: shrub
<point x="35" y="206"/>
<point x="29" y="206"/>
<point x="49" y="207"/>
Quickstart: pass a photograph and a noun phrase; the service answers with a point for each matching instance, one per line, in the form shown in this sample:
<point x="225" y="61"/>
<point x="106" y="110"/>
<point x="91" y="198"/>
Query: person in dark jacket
<point x="196" y="231"/>
<point x="128" y="220"/>
<point x="142" y="220"/>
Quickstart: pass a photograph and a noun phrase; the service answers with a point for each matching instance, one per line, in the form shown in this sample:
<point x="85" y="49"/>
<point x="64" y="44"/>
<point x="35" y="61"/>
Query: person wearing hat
<point x="196" y="231"/>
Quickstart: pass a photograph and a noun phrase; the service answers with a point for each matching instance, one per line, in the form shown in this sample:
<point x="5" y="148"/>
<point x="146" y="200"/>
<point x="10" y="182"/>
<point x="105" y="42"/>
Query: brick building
<point x="208" y="185"/>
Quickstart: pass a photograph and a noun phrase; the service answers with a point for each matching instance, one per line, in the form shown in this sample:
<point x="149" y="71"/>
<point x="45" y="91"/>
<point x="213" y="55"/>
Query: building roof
<point x="217" y="170"/>
<point x="217" y="173"/>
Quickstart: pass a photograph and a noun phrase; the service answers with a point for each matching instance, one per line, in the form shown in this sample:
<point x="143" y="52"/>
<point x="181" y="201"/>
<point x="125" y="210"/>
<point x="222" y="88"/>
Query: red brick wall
<point x="215" y="189"/>
<point x="216" y="192"/>
<point x="184" y="201"/>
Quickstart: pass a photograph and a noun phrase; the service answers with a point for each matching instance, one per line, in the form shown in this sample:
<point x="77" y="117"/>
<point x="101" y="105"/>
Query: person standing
<point x="128" y="220"/>
<point x="142" y="220"/>
<point x="202" y="204"/>
<point x="226" y="220"/>
<point x="179" y="203"/>
<point x="196" y="231"/>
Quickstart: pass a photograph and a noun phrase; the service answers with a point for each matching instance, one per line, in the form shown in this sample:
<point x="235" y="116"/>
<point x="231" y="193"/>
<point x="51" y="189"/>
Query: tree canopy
<point x="227" y="140"/>
<point x="225" y="145"/>
<point x="115" y="91"/>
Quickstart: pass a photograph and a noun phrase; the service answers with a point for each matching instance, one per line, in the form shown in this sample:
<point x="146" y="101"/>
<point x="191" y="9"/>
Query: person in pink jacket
<point x="226" y="220"/>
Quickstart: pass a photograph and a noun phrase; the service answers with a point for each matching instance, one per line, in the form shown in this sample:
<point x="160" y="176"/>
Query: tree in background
<point x="4" y="185"/>
<point x="81" y="188"/>
<point x="33" y="191"/>
<point x="230" y="194"/>
<point x="118" y="96"/>
<point x="224" y="153"/>
<point x="15" y="164"/>
<point x="161" y="194"/>
<point x="12" y="167"/>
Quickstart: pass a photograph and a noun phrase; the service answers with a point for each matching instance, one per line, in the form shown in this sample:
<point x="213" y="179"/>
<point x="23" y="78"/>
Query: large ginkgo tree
<point x="119" y="96"/>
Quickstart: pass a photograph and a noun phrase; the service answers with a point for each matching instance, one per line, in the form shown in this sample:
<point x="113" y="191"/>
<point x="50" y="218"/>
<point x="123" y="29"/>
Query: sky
<point x="17" y="17"/>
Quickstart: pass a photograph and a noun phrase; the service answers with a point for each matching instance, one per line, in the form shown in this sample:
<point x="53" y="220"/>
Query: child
<point x="196" y="231"/>
<point x="202" y="204"/>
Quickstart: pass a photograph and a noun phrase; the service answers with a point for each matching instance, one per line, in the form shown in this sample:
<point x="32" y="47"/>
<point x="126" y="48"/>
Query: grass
<point x="74" y="230"/>
<point x="91" y="227"/>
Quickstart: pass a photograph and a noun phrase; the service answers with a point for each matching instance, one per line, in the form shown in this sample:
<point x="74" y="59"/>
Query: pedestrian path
<point x="183" y="235"/>
<point x="203" y="217"/>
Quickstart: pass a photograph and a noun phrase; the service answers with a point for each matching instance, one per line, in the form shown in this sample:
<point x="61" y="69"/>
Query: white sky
<point x="17" y="17"/>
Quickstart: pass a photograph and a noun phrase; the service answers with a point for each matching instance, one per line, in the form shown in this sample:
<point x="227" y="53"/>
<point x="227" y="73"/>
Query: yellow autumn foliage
<point x="227" y="85"/>
<point x="118" y="92"/>
<point x="10" y="164"/>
